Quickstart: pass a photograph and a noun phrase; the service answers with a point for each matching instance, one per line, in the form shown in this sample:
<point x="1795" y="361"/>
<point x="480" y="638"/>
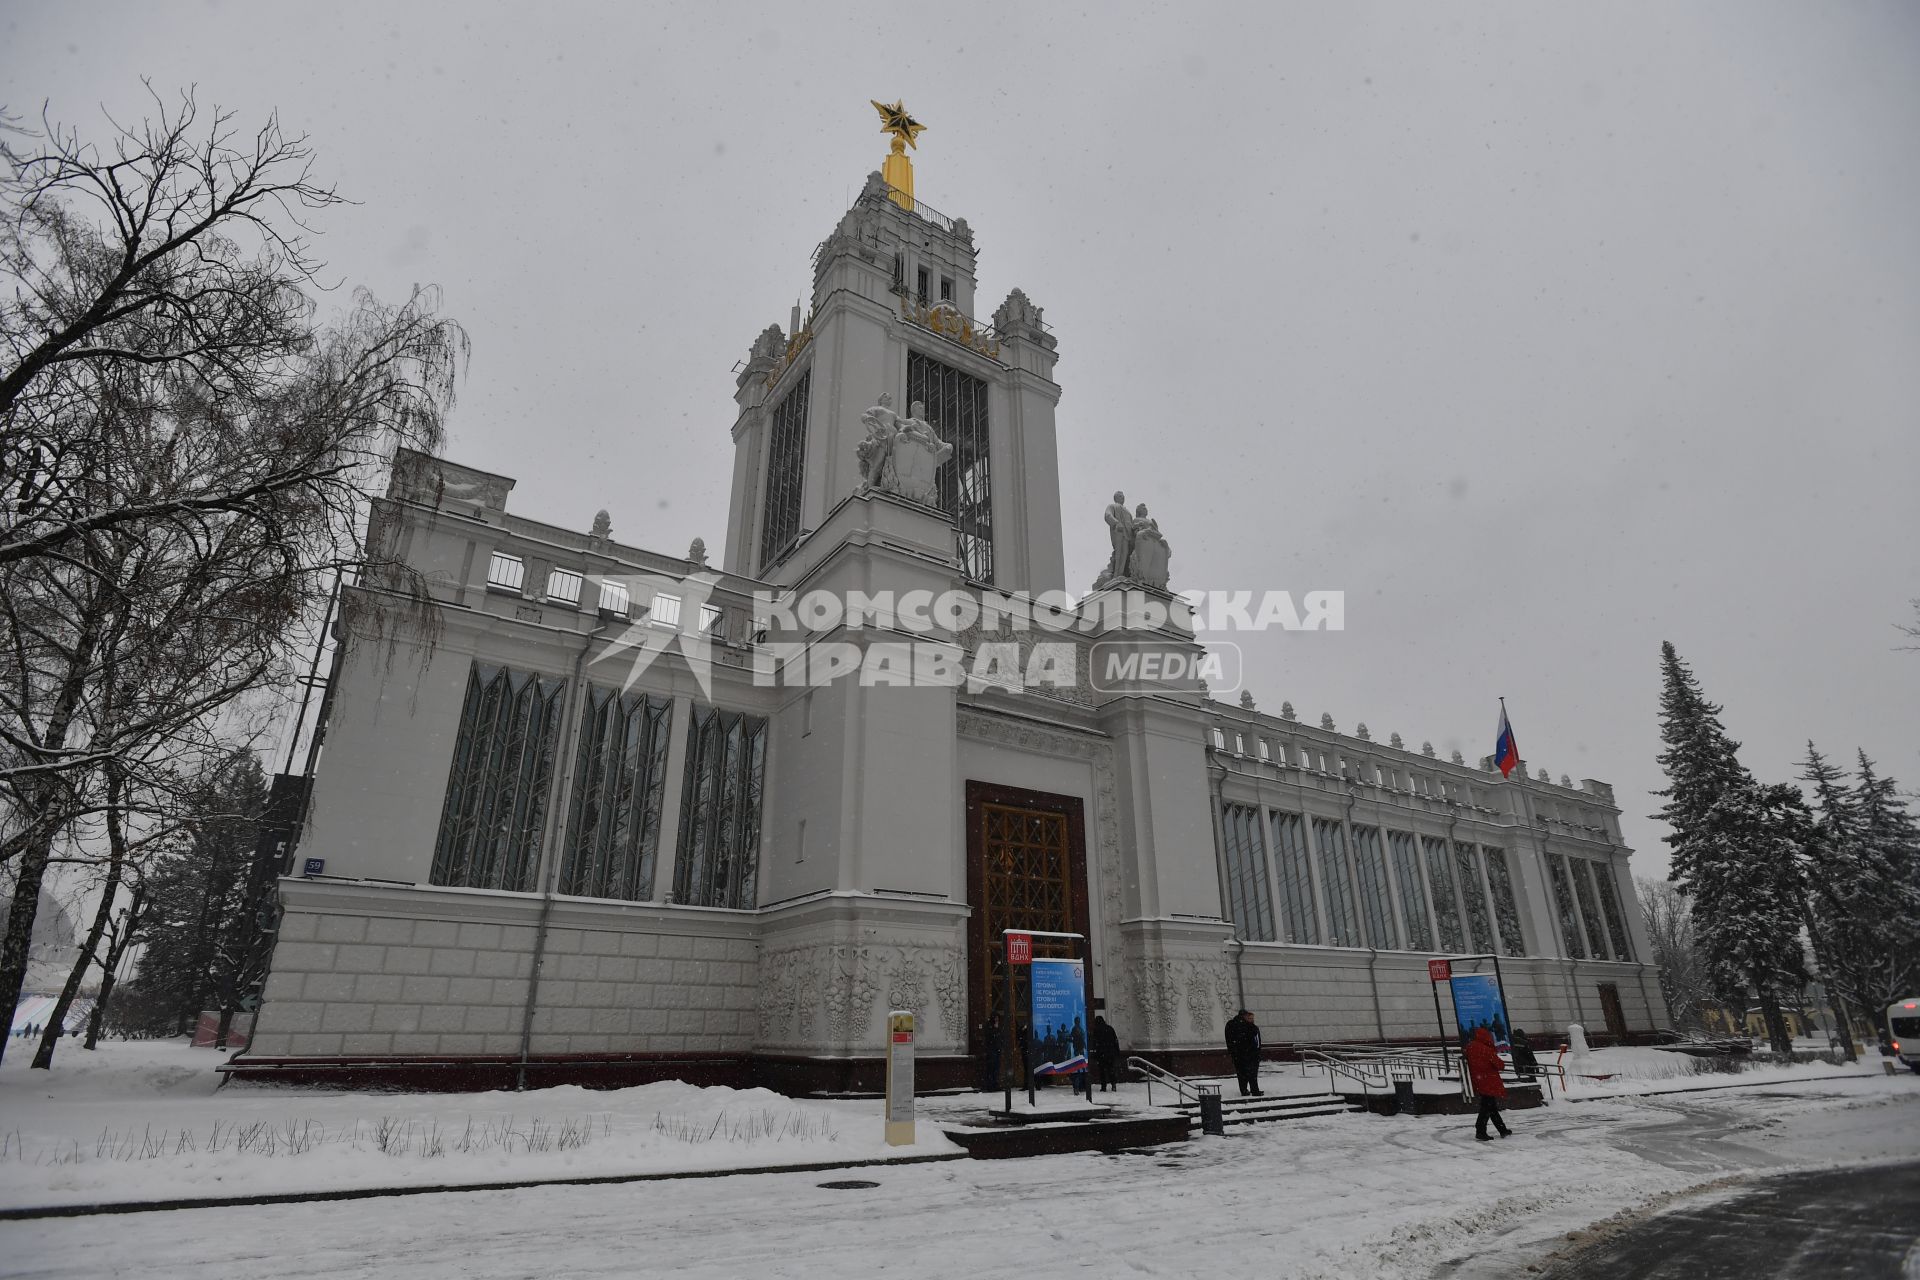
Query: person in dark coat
<point x="1106" y="1054"/>
<point x="992" y="1040"/>
<point x="1483" y="1069"/>
<point x="1243" y="1046"/>
<point x="1525" y="1065"/>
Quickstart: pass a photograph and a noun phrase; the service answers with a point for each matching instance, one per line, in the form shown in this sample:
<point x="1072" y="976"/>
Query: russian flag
<point x="1506" y="752"/>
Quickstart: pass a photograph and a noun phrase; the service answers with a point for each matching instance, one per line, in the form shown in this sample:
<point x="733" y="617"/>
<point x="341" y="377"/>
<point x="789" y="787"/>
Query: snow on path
<point x="1345" y="1196"/>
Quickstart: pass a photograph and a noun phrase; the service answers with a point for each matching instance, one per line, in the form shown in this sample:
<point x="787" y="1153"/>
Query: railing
<point x="1334" y="1066"/>
<point x="1181" y="1086"/>
<point x="920" y="208"/>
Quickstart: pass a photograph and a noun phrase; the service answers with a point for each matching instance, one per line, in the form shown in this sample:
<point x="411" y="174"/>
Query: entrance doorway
<point x="1610" y="1009"/>
<point x="1026" y="869"/>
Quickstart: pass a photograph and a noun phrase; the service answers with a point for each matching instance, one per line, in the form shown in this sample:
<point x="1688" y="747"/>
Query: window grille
<point x="506" y="572"/>
<point x="496" y="799"/>
<point x="1413" y="893"/>
<point x="1249" y="904"/>
<point x="720" y="809"/>
<point x="615" y="598"/>
<point x="620" y="774"/>
<point x="713" y="621"/>
<point x="1296" y="878"/>
<point x="563" y="586"/>
<point x="786" y="473"/>
<point x="666" y="610"/>
<point x="1506" y="910"/>
<point x="956" y="408"/>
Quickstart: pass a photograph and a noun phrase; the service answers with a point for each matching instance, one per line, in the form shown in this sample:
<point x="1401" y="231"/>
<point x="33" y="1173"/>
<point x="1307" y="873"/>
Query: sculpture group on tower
<point x="900" y="455"/>
<point x="1140" y="553"/>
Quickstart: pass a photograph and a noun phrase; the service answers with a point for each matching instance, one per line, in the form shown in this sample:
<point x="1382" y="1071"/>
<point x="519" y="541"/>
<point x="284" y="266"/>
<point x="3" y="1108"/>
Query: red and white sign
<point x="1439" y="970"/>
<point x="1019" y="948"/>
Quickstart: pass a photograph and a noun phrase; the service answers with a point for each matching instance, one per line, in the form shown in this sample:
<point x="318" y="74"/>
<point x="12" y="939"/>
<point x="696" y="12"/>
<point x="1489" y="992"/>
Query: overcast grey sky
<point x="1546" y="332"/>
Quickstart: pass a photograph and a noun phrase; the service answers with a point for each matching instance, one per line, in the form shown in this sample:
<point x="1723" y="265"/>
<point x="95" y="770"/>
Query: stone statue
<point x="1147" y="563"/>
<point x="1394" y="742"/>
<point x="602" y="526"/>
<point x="900" y="455"/>
<point x="697" y="551"/>
<point x="1286" y="711"/>
<point x="875" y="450"/>
<point x="1120" y="536"/>
<point x="1246" y="699"/>
<point x="1326" y="720"/>
<point x="916" y="457"/>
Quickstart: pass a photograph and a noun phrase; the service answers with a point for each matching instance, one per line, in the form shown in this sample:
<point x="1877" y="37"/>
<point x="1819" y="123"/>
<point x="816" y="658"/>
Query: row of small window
<point x="1403" y="892"/>
<point x="509" y="573"/>
<point x="920" y="281"/>
<point x="1297" y="755"/>
<point x="502" y="781"/>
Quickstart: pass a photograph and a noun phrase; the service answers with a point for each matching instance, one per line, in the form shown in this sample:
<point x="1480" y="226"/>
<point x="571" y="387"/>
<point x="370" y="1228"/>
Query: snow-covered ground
<point x="1346" y="1196"/>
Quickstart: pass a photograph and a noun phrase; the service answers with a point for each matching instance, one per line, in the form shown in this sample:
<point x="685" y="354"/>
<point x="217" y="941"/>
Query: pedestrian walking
<point x="1243" y="1046"/>
<point x="1525" y="1065"/>
<point x="992" y="1040"/>
<point x="1483" y="1069"/>
<point x="1106" y="1054"/>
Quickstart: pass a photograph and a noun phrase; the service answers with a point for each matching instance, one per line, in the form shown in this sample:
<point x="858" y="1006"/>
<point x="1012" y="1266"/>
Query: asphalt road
<point x="1853" y="1223"/>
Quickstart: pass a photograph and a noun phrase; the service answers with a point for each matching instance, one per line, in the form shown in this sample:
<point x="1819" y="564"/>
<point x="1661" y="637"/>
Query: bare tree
<point x="1683" y="975"/>
<point x="187" y="457"/>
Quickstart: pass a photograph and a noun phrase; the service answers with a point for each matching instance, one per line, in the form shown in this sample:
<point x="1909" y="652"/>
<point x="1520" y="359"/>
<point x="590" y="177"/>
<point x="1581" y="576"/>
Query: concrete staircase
<point x="1274" y="1107"/>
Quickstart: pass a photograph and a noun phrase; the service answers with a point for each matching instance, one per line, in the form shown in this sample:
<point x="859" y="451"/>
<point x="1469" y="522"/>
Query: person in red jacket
<point x="1483" y="1069"/>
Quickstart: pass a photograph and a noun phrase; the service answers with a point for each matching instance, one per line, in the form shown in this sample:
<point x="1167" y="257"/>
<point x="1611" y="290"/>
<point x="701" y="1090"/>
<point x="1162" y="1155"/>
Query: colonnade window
<point x="1446" y="902"/>
<point x="1296" y="878"/>
<point x="1563" y="906"/>
<point x="720" y="809"/>
<point x="620" y="774"/>
<point x="1249" y="904"/>
<point x="1610" y="905"/>
<point x="1589" y="907"/>
<point x="786" y="472"/>
<point x="1343" y="918"/>
<point x="496" y="802"/>
<point x="956" y="407"/>
<point x="1413" y="893"/>
<point x="1479" y="920"/>
<point x="1506" y="908"/>
<point x="1376" y="907"/>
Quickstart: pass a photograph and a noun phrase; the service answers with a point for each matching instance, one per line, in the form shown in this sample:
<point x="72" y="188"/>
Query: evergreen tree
<point x="203" y="946"/>
<point x="1734" y="853"/>
<point x="1889" y="901"/>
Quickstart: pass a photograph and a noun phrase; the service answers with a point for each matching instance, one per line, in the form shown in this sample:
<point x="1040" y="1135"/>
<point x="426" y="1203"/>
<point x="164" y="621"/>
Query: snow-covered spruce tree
<point x="1889" y="843"/>
<point x="1734" y="853"/>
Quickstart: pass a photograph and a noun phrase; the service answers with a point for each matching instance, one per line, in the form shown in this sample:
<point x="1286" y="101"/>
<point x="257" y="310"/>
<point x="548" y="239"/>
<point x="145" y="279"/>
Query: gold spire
<point x="898" y="169"/>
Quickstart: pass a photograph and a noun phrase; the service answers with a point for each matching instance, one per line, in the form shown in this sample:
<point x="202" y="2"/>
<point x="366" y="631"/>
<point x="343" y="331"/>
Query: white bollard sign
<point x="899" y="1078"/>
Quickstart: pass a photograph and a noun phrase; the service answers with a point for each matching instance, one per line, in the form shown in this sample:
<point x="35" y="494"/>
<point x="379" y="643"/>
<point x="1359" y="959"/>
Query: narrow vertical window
<point x="1446" y="902"/>
<point x="1474" y="897"/>
<point x="1506" y="908"/>
<point x="1376" y="909"/>
<point x="1589" y="907"/>
<point x="1413" y="894"/>
<point x="1563" y="906"/>
<point x="1610" y="905"/>
<point x="1330" y="838"/>
<point x="920" y="283"/>
<point x="620" y="774"/>
<point x="1296" y="878"/>
<point x="720" y="809"/>
<point x="786" y="471"/>
<point x="946" y="288"/>
<point x="956" y="408"/>
<point x="1249" y="902"/>
<point x="496" y="804"/>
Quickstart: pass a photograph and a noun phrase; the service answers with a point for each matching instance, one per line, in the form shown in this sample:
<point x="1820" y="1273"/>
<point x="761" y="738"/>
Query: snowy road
<point x="1341" y="1196"/>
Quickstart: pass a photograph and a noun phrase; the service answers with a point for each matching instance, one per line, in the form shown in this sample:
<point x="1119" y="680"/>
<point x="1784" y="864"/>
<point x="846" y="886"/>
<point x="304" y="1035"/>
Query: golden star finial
<point x="895" y="120"/>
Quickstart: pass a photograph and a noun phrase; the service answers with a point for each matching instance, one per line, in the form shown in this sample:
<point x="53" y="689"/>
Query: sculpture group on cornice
<point x="900" y="455"/>
<point x="1140" y="553"/>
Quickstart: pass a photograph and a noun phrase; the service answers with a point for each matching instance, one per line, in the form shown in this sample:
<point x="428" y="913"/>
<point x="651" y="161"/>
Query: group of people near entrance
<point x="1481" y="1054"/>
<point x="1103" y="1051"/>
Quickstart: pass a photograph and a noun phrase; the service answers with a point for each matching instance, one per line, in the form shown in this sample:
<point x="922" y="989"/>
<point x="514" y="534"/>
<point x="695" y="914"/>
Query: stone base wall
<point x="1308" y="994"/>
<point x="402" y="971"/>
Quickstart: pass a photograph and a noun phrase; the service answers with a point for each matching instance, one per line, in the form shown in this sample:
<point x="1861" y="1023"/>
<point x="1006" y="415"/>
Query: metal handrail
<point x="1154" y="1071"/>
<point x="1340" y="1066"/>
